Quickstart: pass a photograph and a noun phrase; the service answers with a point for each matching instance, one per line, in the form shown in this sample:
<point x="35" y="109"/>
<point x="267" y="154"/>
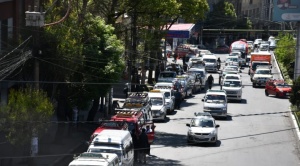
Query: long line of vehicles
<point x="112" y="144"/>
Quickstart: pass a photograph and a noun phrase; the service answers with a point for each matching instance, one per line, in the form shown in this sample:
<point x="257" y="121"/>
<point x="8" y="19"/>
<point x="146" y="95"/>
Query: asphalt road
<point x="258" y="132"/>
<point x="255" y="133"/>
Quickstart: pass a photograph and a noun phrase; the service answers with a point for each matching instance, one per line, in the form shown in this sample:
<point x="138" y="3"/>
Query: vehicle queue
<point x="175" y="85"/>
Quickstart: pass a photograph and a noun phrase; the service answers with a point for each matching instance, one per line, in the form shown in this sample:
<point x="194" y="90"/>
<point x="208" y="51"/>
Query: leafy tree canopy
<point x="28" y="112"/>
<point x="223" y="15"/>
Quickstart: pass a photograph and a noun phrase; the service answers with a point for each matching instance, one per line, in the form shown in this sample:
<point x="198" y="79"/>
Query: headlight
<point x="280" y="90"/>
<point x="190" y="132"/>
<point x="206" y="108"/>
<point x="212" y="132"/>
<point x="161" y="111"/>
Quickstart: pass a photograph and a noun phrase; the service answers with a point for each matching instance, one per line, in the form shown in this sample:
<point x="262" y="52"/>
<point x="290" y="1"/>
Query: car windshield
<point x="232" y="84"/>
<point x="196" y="72"/>
<point x="202" y="123"/>
<point x="212" y="98"/>
<point x="232" y="59"/>
<point x="156" y="101"/>
<point x="232" y="68"/>
<point x="232" y="77"/>
<point x="258" y="64"/>
<point x="167" y="95"/>
<point x="263" y="72"/>
<point x="283" y="85"/>
<point x="167" y="75"/>
<point x="210" y="60"/>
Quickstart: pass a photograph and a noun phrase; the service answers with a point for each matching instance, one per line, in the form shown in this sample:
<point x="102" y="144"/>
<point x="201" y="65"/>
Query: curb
<point x="294" y="121"/>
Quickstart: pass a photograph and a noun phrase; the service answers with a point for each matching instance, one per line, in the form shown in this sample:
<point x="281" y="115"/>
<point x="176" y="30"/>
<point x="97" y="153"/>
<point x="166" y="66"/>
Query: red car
<point x="279" y="88"/>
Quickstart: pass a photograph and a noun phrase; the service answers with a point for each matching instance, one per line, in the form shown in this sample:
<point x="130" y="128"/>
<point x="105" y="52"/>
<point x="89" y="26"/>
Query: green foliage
<point x="27" y="113"/>
<point x="244" y="23"/>
<point x="223" y="15"/>
<point x="295" y="95"/>
<point x="285" y="49"/>
<point x="83" y="48"/>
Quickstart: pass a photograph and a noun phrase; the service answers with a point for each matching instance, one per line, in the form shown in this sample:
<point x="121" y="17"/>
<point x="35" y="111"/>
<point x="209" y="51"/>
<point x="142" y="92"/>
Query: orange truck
<point x="259" y="59"/>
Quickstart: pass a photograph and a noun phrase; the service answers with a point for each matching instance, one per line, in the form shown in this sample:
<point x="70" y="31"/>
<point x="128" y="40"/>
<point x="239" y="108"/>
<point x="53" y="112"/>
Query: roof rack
<point x="126" y="113"/>
<point x="202" y="114"/>
<point x="137" y="94"/>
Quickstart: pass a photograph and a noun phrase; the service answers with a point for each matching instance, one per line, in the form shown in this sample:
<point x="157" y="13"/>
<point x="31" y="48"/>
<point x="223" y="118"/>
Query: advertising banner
<point x="286" y="10"/>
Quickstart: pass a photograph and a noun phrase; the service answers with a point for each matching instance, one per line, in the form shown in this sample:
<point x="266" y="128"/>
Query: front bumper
<point x="261" y="82"/>
<point x="202" y="138"/>
<point x="157" y="115"/>
<point x="234" y="95"/>
<point x="217" y="113"/>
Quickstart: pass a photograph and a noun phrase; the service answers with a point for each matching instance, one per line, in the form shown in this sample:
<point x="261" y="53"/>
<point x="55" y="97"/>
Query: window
<point x="251" y="1"/>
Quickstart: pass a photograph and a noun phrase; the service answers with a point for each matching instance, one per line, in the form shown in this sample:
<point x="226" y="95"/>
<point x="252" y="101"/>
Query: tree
<point x="285" y="51"/>
<point x="222" y="15"/>
<point x="243" y="23"/>
<point x="295" y="94"/>
<point x="27" y="115"/>
<point x="84" y="53"/>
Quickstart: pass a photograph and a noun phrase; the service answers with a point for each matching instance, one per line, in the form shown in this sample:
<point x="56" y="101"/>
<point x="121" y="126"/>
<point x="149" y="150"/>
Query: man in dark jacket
<point x="143" y="146"/>
<point x="178" y="99"/>
<point x="210" y="81"/>
<point x="135" y="144"/>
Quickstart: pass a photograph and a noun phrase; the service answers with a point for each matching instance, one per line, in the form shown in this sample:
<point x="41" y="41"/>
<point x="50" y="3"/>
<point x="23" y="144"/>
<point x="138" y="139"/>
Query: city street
<point x="256" y="133"/>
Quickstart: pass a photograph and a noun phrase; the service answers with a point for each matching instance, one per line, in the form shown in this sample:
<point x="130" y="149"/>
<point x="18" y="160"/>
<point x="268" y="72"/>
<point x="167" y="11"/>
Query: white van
<point x="211" y="63"/>
<point x="95" y="159"/>
<point x="114" y="141"/>
<point x="158" y="105"/>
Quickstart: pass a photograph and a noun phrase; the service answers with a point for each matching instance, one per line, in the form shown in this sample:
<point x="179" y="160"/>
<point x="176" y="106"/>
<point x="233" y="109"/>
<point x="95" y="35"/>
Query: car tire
<point x="253" y="85"/>
<point x="266" y="93"/>
<point x="277" y="95"/>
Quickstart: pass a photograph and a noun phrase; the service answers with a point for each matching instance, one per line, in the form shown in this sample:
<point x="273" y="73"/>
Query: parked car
<point x="279" y="88"/>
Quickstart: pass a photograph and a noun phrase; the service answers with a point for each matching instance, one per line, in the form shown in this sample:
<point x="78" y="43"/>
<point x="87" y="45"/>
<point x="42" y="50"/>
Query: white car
<point x="193" y="60"/>
<point x="202" y="52"/>
<point x="257" y="42"/>
<point x="235" y="53"/>
<point x="261" y="76"/>
<point x="169" y="97"/>
<point x="233" y="88"/>
<point x="233" y="61"/>
<point x="158" y="105"/>
<point x="215" y="103"/>
<point x="203" y="75"/>
<point x="231" y="77"/>
<point x="202" y="129"/>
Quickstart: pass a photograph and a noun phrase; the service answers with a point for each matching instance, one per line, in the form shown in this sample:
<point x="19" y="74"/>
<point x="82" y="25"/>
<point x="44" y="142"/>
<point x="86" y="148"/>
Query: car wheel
<point x="253" y="85"/>
<point x="266" y="93"/>
<point x="277" y="95"/>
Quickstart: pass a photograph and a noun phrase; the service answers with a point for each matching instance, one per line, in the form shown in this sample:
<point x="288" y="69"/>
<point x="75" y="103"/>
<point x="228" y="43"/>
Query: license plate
<point x="287" y="94"/>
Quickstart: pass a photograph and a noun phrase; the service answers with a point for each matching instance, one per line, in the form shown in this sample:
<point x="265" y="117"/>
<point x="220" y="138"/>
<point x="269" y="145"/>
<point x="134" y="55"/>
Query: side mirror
<point x="188" y="124"/>
<point x="217" y="126"/>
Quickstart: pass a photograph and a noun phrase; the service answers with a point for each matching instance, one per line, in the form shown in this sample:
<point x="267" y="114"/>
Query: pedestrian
<point x="178" y="99"/>
<point x="143" y="146"/>
<point x="135" y="144"/>
<point x="210" y="81"/>
<point x="219" y="63"/>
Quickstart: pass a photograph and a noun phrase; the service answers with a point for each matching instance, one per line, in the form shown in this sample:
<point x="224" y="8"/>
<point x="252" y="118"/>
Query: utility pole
<point x="35" y="19"/>
<point x="297" y="56"/>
